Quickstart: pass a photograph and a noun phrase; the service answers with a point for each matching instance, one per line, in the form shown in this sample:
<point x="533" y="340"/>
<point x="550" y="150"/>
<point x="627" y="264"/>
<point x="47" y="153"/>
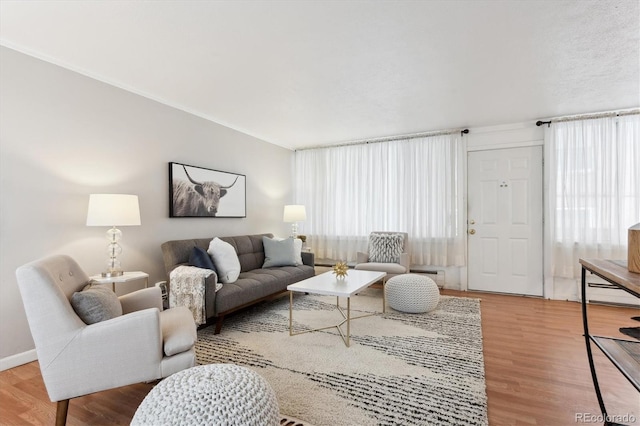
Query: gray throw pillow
<point x="96" y="303"/>
<point x="278" y="252"/>
<point x="385" y="248"/>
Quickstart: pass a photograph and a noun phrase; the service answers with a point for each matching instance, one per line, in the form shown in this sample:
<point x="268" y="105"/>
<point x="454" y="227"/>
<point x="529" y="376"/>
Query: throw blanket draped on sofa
<point x="187" y="289"/>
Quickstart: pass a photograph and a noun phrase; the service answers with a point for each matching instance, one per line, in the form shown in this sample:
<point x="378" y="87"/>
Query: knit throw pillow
<point x="385" y="248"/>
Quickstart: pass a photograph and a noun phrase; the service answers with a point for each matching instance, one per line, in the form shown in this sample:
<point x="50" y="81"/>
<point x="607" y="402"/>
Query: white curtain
<point x="412" y="186"/>
<point x="594" y="189"/>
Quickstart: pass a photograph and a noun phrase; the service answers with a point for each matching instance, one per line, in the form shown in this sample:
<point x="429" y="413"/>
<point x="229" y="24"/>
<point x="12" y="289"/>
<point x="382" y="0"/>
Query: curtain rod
<point x="392" y="138"/>
<point x="588" y="116"/>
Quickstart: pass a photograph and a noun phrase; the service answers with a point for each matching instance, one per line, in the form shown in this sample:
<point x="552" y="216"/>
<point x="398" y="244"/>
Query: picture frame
<point x="200" y="192"/>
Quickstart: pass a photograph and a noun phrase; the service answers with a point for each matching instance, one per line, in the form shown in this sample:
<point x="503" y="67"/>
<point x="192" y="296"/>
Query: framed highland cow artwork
<point x="199" y="192"/>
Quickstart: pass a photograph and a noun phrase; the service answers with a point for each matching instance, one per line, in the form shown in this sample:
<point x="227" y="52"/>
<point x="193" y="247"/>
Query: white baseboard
<point x="564" y="289"/>
<point x="18" y="359"/>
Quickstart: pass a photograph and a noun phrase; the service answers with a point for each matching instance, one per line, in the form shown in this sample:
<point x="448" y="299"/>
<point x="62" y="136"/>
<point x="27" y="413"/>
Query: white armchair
<point x="143" y="344"/>
<point x="402" y="266"/>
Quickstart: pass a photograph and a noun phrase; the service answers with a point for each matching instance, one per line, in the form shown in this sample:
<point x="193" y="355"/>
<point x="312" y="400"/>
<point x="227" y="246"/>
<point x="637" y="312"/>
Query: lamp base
<point x="113" y="264"/>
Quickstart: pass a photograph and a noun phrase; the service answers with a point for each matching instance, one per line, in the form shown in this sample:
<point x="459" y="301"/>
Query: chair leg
<point x="61" y="412"/>
<point x="384" y="298"/>
<point x="219" y="324"/>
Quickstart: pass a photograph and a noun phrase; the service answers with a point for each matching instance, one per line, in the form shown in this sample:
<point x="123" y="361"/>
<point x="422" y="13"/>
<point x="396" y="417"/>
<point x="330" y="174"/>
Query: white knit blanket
<point x="187" y="289"/>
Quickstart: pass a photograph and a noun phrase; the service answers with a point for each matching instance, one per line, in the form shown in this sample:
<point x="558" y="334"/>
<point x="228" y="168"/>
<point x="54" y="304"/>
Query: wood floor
<point x="535" y="361"/>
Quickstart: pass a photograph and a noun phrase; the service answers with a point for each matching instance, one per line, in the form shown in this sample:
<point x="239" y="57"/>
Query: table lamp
<point x="113" y="210"/>
<point x="294" y="213"/>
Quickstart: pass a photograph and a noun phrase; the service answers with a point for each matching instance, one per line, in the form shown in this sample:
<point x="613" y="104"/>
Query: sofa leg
<point x="61" y="412"/>
<point x="219" y="324"/>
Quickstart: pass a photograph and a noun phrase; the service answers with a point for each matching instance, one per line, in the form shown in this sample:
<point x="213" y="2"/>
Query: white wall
<point x="64" y="136"/>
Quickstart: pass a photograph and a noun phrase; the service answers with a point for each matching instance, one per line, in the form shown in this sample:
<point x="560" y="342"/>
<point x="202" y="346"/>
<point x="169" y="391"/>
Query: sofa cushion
<point x="259" y="283"/>
<point x="226" y="260"/>
<point x="279" y="253"/>
<point x="388" y="267"/>
<point x="250" y="250"/>
<point x="96" y="303"/>
<point x="385" y="248"/>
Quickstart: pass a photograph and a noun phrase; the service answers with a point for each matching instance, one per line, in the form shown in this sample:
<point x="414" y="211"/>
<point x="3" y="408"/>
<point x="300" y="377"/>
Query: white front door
<point x="504" y="215"/>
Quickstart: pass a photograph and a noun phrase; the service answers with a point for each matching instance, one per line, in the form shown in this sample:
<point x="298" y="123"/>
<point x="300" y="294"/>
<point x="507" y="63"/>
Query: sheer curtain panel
<point x="412" y="186"/>
<point x="594" y="189"/>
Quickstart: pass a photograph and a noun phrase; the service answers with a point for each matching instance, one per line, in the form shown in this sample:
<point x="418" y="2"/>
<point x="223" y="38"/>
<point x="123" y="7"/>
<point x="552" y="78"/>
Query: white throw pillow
<point x="226" y="260"/>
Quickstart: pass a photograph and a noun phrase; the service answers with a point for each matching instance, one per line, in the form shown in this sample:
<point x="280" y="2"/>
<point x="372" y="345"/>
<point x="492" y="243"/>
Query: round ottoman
<point x="215" y="394"/>
<point x="412" y="293"/>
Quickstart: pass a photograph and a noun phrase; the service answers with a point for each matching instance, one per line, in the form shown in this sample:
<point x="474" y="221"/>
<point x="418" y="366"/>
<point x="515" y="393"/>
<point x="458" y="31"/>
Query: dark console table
<point x="624" y="354"/>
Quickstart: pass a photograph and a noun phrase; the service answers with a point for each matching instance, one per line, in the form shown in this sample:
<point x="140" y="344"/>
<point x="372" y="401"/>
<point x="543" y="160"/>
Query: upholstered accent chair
<point x="142" y="344"/>
<point x="386" y="254"/>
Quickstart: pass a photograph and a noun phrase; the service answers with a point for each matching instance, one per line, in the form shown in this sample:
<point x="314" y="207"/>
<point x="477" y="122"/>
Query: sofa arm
<point x="112" y="353"/>
<point x="210" y="295"/>
<point x="141" y="299"/>
<point x="362" y="257"/>
<point x="308" y="258"/>
<point x="405" y="260"/>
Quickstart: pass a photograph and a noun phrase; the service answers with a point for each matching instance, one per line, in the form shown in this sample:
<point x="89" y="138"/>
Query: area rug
<point x="401" y="369"/>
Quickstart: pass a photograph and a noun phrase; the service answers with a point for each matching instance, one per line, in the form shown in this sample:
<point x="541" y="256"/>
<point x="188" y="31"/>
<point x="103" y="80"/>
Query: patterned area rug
<point x="401" y="369"/>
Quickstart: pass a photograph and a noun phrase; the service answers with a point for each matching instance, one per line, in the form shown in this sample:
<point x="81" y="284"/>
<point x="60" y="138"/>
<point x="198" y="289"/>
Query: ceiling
<point x="307" y="73"/>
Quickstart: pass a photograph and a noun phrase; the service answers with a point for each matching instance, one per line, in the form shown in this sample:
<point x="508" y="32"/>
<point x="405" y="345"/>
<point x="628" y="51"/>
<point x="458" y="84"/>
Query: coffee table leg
<point x="348" y="320"/>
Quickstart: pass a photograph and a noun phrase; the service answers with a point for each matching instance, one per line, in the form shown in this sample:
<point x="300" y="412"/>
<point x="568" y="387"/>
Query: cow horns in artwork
<point x="200" y="183"/>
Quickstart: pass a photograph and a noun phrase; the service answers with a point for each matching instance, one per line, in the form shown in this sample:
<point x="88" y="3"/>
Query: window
<point x="412" y="186"/>
<point x="594" y="189"/>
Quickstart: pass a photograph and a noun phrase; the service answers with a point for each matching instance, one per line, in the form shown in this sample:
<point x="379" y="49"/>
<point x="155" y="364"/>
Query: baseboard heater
<point x="436" y="275"/>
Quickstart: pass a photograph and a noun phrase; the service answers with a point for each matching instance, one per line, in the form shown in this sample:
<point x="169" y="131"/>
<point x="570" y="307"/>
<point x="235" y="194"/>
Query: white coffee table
<point x="327" y="284"/>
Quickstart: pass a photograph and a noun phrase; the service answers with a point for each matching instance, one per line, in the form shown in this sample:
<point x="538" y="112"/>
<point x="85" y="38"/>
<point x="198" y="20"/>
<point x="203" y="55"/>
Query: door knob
<point x="472" y="231"/>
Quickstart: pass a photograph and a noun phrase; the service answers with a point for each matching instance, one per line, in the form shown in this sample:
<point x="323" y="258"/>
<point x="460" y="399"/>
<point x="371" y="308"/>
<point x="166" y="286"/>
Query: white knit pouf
<point x="214" y="394"/>
<point x="412" y="293"/>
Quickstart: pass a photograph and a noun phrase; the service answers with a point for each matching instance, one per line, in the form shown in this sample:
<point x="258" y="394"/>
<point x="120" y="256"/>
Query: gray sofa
<point x="254" y="284"/>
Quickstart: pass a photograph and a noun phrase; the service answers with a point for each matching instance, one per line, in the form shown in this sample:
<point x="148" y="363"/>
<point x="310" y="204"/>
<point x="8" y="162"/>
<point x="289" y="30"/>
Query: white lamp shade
<point x="113" y="210"/>
<point x="294" y="213"/>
